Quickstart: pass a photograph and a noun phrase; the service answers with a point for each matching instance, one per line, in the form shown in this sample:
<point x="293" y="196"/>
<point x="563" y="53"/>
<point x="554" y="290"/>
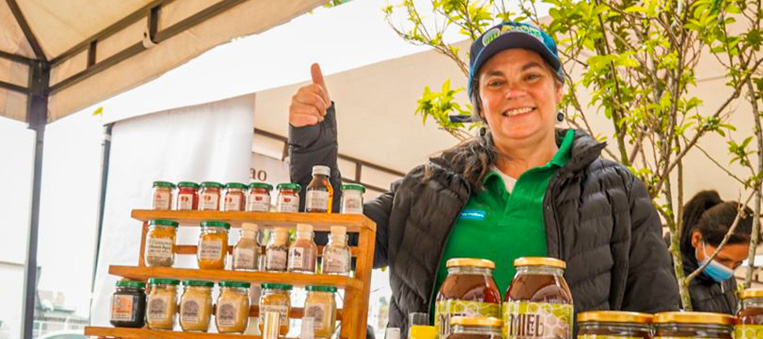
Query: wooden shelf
<point x="321" y="222"/>
<point x="296" y="279"/>
<point x="121" y="332"/>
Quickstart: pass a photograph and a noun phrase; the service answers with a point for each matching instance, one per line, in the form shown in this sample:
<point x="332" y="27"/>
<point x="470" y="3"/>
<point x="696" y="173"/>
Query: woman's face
<point x="519" y="97"/>
<point x="731" y="255"/>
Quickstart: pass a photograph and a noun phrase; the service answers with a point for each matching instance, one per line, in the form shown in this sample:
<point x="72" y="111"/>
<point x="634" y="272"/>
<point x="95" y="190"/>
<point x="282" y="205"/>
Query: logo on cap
<point x="494" y="33"/>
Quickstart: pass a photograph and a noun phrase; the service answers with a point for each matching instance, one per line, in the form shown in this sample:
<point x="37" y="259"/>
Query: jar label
<point x="185" y="202"/>
<point x="748" y="331"/>
<point x="210" y="202"/>
<point x="233" y="202"/>
<point x="259" y="202"/>
<point x="352" y="205"/>
<point x="317" y="201"/>
<point x="159" y="249"/>
<point x="122" y="307"/>
<point x="158" y="307"/>
<point x="335" y="261"/>
<point x="211" y="250"/>
<point x="446" y="309"/>
<point x="526" y="320"/>
<point x="283" y="312"/>
<point x="226" y="313"/>
<point x="276" y="260"/>
<point x="600" y="336"/>
<point x="319" y="313"/>
<point x="298" y="258"/>
<point x="162" y="200"/>
<point x="190" y="309"/>
<point x="288" y="203"/>
<point x="243" y="258"/>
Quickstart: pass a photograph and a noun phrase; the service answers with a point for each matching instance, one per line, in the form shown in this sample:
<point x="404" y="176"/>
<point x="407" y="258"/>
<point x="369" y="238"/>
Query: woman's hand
<point x="308" y="107"/>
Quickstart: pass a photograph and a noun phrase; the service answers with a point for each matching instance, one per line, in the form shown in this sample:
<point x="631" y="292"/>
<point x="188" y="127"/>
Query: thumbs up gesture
<point x="308" y="107"/>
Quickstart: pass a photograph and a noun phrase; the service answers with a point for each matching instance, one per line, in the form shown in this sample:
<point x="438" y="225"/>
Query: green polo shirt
<point x="502" y="225"/>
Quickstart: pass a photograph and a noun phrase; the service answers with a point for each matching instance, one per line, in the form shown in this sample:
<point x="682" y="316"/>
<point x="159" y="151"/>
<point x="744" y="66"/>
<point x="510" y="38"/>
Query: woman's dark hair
<point x="713" y="217"/>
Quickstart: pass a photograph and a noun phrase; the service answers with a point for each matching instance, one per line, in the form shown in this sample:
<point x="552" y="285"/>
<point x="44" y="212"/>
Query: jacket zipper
<point x="555" y="216"/>
<point x="439" y="259"/>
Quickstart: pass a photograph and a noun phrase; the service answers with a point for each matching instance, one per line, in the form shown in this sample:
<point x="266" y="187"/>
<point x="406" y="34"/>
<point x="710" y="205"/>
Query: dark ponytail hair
<point x="713" y="217"/>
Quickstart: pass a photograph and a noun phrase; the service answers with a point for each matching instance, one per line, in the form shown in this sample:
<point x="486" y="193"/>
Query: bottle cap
<point x="338" y="230"/>
<point x="247" y="226"/>
<point x="304" y="228"/>
<point x="321" y="170"/>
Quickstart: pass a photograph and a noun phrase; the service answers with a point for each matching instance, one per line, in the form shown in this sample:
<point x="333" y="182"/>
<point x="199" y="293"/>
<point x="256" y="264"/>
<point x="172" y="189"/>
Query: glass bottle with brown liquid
<point x="750" y="314"/>
<point x="469" y="290"/>
<point x="320" y="195"/>
<point x="538" y="303"/>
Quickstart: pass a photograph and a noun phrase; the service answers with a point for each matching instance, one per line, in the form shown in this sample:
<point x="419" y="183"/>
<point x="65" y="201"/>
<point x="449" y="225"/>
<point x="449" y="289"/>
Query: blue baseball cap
<point x="507" y="35"/>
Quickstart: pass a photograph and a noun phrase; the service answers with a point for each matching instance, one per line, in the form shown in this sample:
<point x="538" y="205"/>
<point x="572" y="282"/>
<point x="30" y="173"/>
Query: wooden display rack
<point x="356" y="290"/>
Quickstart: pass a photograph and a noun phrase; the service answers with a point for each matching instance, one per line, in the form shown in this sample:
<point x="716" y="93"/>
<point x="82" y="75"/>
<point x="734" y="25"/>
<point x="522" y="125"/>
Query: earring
<point x="560" y="117"/>
<point x="483" y="131"/>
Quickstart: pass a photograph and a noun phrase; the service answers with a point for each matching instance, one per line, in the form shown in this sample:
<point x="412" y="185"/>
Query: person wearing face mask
<point x="706" y="220"/>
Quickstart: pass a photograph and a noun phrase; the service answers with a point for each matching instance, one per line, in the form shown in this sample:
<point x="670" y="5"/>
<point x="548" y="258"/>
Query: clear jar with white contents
<point x="352" y="199"/>
<point x="337" y="257"/>
<point x="246" y="252"/>
<point x="277" y="250"/>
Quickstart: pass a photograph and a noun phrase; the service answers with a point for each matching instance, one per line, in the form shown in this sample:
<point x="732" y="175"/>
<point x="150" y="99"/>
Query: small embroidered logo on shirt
<point x="471" y="214"/>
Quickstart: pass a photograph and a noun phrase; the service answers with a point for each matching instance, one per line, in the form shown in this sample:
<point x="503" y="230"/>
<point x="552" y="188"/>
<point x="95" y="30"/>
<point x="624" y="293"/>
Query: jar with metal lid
<point x="693" y="324"/>
<point x="276" y="298"/>
<point x="259" y="197"/>
<point x="160" y="243"/>
<point x="210" y="196"/>
<point x="232" y="314"/>
<point x="162" y="303"/>
<point x="288" y="197"/>
<point x="352" y="199"/>
<point x="468" y="290"/>
<point x="614" y="325"/>
<point x="188" y="196"/>
<point x="235" y="197"/>
<point x="196" y="306"/>
<point x="320" y="306"/>
<point x="212" y="249"/>
<point x="128" y="304"/>
<point x="475" y="328"/>
<point x="163" y="192"/>
<point x="538" y="303"/>
<point x="750" y="315"/>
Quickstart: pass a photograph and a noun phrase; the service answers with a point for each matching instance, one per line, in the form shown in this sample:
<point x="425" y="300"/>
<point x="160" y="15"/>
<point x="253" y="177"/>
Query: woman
<point x="535" y="190"/>
<point x="706" y="220"/>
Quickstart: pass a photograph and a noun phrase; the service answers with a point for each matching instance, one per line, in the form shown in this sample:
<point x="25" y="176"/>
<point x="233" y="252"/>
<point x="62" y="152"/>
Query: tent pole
<point x="37" y="118"/>
<point x="102" y="202"/>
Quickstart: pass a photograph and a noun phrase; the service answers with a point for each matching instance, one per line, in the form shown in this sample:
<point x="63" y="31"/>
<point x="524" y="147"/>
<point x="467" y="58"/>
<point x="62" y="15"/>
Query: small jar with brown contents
<point x="538" y="302"/>
<point x="320" y="195"/>
<point x="210" y="196"/>
<point x="475" y="328"/>
<point x="303" y="253"/>
<point x="161" y="303"/>
<point x="196" y="306"/>
<point x="277" y="250"/>
<point x="188" y="196"/>
<point x="288" y="198"/>
<point x="614" y="325"/>
<point x="128" y="304"/>
<point x="232" y="314"/>
<point x="750" y="315"/>
<point x="320" y="305"/>
<point x="160" y="243"/>
<point x="276" y="298"/>
<point x="693" y="325"/>
<point x="163" y="192"/>
<point x="259" y="197"/>
<point x="468" y="290"/>
<point x="246" y="252"/>
<point x="213" y="245"/>
<point x="235" y="197"/>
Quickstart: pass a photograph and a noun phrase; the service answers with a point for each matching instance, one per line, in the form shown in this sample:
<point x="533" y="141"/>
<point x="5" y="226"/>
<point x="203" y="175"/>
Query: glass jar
<point x="188" y="196"/>
<point x="128" y="304"/>
<point x="246" y="252"/>
<point x="320" y="195"/>
<point x="750" y="314"/>
<point x="277" y="250"/>
<point x="235" y="198"/>
<point x="468" y="290"/>
<point x="210" y="196"/>
<point x="337" y="257"/>
<point x="162" y="303"/>
<point x="288" y="198"/>
<point x="693" y="324"/>
<point x="232" y="307"/>
<point x="538" y="294"/>
<point x="320" y="305"/>
<point x="276" y="298"/>
<point x="614" y="325"/>
<point x="259" y="197"/>
<point x="196" y="306"/>
<point x="475" y="328"/>
<point x="303" y="253"/>
<point x="213" y="245"/>
<point x="352" y="199"/>
<point x="163" y="192"/>
<point x="160" y="243"/>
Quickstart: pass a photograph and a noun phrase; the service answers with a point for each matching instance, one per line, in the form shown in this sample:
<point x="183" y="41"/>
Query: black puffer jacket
<point x="599" y="219"/>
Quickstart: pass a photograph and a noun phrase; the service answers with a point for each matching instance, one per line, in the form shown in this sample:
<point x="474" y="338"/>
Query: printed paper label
<point x="276" y="260"/>
<point x="288" y="204"/>
<point x="185" y="202"/>
<point x="211" y="250"/>
<point x="243" y="258"/>
<point x="122" y="308"/>
<point x="162" y="200"/>
<point x="159" y="248"/>
<point x="446" y="309"/>
<point x="317" y="200"/>
<point x="259" y="203"/>
<point x="531" y="320"/>
<point x="209" y="202"/>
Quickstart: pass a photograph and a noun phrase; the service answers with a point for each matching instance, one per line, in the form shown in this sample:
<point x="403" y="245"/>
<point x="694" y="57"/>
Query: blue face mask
<point x="715" y="270"/>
